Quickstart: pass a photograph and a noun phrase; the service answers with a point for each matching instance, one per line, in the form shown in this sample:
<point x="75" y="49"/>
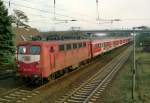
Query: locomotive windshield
<point x="22" y="49"/>
<point x="34" y="49"/>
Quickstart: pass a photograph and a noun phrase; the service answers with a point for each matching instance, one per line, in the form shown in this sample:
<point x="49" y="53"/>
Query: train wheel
<point x="61" y="73"/>
<point x="53" y="76"/>
<point x="66" y="70"/>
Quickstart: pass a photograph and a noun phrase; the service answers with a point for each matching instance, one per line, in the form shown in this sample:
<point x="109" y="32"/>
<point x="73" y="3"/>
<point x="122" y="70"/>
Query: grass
<point x="121" y="87"/>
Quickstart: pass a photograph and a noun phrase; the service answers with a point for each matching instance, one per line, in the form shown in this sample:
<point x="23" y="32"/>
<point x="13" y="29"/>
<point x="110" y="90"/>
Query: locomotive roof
<point x="53" y="41"/>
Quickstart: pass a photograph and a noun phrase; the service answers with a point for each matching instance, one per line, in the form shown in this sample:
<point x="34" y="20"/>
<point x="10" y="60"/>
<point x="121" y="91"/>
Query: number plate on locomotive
<point x="26" y="58"/>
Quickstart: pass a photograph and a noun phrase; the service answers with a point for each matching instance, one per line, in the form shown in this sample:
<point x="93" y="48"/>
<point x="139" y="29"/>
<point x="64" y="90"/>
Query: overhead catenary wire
<point x="83" y="20"/>
<point x="31" y="14"/>
<point x="48" y="12"/>
<point x="60" y="9"/>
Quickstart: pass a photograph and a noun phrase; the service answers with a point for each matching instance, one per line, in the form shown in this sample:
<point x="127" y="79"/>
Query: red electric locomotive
<point x="42" y="59"/>
<point x="46" y="59"/>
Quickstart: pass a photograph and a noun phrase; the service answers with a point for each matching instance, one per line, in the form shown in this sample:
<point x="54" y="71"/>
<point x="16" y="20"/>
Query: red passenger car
<point x="105" y="45"/>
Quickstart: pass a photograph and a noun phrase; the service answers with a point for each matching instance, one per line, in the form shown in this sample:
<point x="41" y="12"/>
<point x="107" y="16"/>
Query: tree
<point x="142" y="38"/>
<point x="7" y="39"/>
<point x="19" y="18"/>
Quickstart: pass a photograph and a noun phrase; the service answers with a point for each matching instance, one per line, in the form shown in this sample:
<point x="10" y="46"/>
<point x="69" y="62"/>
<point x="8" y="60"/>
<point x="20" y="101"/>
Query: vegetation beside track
<point x="7" y="40"/>
<point x="121" y="88"/>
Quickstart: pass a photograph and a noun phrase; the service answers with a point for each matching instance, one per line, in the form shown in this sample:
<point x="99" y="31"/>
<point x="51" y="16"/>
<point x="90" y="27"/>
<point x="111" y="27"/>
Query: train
<point x="45" y="60"/>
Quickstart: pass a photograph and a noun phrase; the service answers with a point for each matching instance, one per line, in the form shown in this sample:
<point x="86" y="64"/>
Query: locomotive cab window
<point x="34" y="49"/>
<point x="22" y="49"/>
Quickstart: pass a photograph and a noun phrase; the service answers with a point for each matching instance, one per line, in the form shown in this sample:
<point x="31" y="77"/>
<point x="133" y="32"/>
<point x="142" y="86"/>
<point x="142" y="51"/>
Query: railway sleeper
<point x="4" y="100"/>
<point x="93" y="99"/>
<point x="77" y="98"/>
<point x="77" y="95"/>
<point x="9" y="97"/>
<point x="20" y="93"/>
<point x="74" y="101"/>
<point x="15" y="95"/>
<point x="91" y="85"/>
<point x="82" y="93"/>
<point x="86" y="89"/>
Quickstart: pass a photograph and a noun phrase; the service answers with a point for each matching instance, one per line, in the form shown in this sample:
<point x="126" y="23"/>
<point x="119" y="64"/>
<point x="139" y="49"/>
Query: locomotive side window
<point x="105" y="45"/>
<point x="96" y="45"/>
<point x="80" y="45"/>
<point x="61" y="47"/>
<point x="68" y="46"/>
<point x="84" y="44"/>
<point x="21" y="49"/>
<point x="99" y="45"/>
<point x="34" y="49"/>
<point x="74" y="46"/>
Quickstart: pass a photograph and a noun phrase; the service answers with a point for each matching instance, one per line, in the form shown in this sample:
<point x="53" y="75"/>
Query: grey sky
<point x="132" y="13"/>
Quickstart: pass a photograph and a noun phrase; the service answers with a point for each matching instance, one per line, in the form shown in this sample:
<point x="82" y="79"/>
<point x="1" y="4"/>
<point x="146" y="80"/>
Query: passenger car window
<point x="22" y="49"/>
<point x="34" y="49"/>
<point x="99" y="45"/>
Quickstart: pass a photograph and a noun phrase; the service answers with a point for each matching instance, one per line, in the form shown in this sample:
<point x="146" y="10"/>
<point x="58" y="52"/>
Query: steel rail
<point x="87" y="89"/>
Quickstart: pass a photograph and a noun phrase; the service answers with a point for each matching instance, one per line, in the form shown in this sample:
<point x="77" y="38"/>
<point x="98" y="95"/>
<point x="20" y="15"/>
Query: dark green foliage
<point x="7" y="40"/>
<point x="19" y="18"/>
<point x="142" y="38"/>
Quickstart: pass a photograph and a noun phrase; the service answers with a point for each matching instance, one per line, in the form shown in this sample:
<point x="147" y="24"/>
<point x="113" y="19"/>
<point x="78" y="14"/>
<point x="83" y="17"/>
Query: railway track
<point x="91" y="89"/>
<point x="17" y="95"/>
